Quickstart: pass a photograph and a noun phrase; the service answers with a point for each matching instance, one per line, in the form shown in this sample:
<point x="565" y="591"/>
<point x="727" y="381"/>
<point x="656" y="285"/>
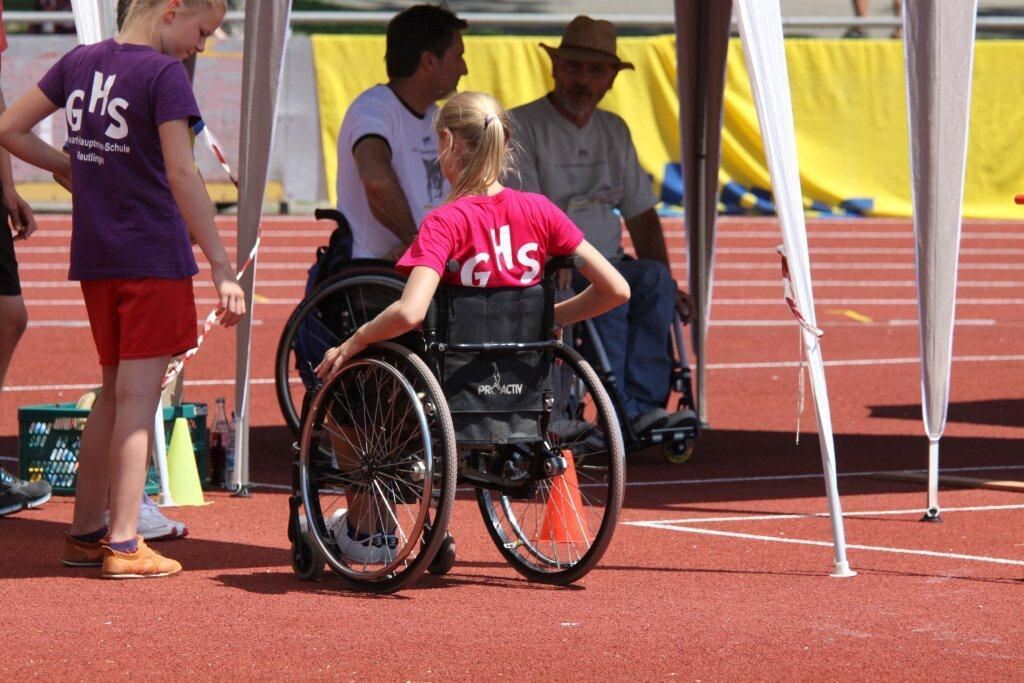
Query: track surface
<point x="720" y="567"/>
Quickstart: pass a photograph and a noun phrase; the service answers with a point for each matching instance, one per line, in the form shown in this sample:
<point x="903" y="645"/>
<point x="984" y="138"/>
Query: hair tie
<point x="488" y="119"/>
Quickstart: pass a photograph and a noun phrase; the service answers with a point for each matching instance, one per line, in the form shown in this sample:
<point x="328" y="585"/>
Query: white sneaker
<point x="376" y="549"/>
<point x="153" y="525"/>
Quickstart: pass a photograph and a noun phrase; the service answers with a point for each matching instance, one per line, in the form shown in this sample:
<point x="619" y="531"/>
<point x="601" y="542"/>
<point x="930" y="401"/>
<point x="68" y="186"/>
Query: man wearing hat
<point x="583" y="159"/>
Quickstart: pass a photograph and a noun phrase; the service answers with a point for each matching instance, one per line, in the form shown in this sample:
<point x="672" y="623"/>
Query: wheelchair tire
<point x="307" y="563"/>
<point x="678" y="453"/>
<point x="445" y="558"/>
<point x="378" y="436"/>
<point x="560" y="534"/>
<point x="359" y="293"/>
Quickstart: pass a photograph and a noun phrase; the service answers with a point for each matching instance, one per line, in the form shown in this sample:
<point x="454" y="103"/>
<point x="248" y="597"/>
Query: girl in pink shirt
<point x="499" y="237"/>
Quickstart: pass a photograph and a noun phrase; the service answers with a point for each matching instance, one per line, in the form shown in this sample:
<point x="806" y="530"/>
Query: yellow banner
<point x="849" y="107"/>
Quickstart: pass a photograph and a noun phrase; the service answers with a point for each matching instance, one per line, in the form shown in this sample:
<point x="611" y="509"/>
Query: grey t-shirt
<point x="587" y="172"/>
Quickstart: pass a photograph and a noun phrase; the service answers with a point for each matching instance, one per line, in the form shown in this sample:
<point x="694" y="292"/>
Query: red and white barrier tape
<point x="179" y="362"/>
<point x="787" y="284"/>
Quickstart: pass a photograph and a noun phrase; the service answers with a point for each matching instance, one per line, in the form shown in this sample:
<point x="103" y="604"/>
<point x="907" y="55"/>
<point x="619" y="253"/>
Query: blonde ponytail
<point x="479" y="141"/>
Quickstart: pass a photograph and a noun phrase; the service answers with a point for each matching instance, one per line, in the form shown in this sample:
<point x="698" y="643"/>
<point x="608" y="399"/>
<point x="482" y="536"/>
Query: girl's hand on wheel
<point x="336" y="356"/>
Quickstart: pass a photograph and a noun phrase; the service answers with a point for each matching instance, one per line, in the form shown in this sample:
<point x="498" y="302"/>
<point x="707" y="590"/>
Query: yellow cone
<point x="181" y="467"/>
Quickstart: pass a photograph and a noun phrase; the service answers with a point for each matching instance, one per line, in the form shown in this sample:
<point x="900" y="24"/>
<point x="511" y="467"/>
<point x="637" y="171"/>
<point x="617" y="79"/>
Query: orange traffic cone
<point x="564" y="512"/>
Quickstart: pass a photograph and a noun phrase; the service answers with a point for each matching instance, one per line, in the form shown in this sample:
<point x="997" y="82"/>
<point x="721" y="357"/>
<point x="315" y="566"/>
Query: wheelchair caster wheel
<point x="444" y="560"/>
<point x="306" y="561"/>
<point x="677" y="452"/>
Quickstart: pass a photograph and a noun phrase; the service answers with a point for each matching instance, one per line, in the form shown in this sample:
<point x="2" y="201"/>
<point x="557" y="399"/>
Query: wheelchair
<point x="676" y="443"/>
<point x="331" y="312"/>
<point x="486" y="396"/>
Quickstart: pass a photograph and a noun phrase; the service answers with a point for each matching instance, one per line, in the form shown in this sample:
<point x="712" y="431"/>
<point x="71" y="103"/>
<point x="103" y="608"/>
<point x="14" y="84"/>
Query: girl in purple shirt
<point x="128" y="104"/>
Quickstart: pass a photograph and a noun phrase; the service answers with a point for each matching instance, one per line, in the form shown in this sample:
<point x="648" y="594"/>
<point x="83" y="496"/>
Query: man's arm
<point x="648" y="238"/>
<point x="387" y="200"/>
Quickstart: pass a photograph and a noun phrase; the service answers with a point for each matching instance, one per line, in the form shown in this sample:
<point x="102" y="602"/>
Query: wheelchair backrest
<point x="496" y="392"/>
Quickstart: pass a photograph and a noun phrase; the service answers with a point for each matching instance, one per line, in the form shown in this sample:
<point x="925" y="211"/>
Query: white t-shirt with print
<point x="379" y="112"/>
<point x="587" y="172"/>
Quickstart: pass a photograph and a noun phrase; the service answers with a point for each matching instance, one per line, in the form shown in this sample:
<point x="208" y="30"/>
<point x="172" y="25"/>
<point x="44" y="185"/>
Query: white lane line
<point x="773" y="264"/>
<point x="861" y="362"/>
<point x="866" y="302"/>
<point x="903" y="234"/>
<point x="961" y="322"/>
<point x="731" y="480"/>
<point x="203" y="265"/>
<point x="770" y="263"/>
<point x="828" y="544"/>
<point x="264" y="301"/>
<point x="711" y="366"/>
<point x="774" y="302"/>
<point x="85" y="323"/>
<point x="781" y="322"/>
<point x="796" y="477"/>
<point x="888" y="251"/>
<point x="188" y="383"/>
<point x="862" y="513"/>
<point x="719" y="282"/>
<point x="1008" y="284"/>
<point x="72" y="284"/>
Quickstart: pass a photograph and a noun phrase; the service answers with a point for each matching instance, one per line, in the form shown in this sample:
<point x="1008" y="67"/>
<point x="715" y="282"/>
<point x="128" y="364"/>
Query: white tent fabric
<point x="95" y="20"/>
<point x="760" y="25"/>
<point x="702" y="44"/>
<point x="939" y="47"/>
<point x="266" y="32"/>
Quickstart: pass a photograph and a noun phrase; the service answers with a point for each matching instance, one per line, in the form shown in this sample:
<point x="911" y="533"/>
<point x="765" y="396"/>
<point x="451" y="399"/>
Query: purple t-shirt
<point x="125" y="223"/>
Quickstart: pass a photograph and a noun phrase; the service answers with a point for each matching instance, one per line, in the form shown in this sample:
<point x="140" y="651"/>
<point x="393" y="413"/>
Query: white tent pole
<point x="95" y="20"/>
<point x="160" y="455"/>
<point x="760" y="23"/>
<point x="931" y="513"/>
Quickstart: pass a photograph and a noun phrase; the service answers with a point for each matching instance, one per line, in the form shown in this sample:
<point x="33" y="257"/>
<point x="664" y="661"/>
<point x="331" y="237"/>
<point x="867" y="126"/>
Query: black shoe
<point x="683" y="418"/>
<point x="30" y="494"/>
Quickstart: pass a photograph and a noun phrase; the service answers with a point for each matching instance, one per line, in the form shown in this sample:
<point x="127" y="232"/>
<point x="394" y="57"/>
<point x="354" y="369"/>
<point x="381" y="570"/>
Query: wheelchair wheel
<point x="445" y="558"/>
<point x="307" y="563"/>
<point x="377" y="468"/>
<point x="329" y="315"/>
<point x="560" y="533"/>
<point x="677" y="452"/>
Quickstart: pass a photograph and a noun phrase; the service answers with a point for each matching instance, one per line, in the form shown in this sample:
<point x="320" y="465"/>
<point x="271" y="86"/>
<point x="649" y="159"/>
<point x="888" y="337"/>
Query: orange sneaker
<point x="144" y="563"/>
<point x="81" y="554"/>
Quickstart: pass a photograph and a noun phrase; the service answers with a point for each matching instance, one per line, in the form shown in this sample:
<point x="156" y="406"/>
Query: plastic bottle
<point x="229" y="454"/>
<point x="219" y="435"/>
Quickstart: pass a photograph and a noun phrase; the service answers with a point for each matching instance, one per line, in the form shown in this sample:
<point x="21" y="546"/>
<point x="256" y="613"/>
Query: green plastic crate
<point x="49" y="436"/>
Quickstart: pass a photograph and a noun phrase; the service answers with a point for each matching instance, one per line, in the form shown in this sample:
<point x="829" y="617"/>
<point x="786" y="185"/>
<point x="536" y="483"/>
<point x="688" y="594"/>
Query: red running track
<point x="719" y="569"/>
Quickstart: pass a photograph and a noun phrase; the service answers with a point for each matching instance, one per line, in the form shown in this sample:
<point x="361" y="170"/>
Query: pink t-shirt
<point x="498" y="241"/>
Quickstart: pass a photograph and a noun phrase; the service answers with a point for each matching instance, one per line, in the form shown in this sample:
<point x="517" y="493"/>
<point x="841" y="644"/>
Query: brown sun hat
<point x="588" y="40"/>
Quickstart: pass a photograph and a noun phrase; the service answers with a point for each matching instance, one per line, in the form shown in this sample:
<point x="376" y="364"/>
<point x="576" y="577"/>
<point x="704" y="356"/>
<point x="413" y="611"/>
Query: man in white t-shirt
<point x="388" y="175"/>
<point x="583" y="159"/>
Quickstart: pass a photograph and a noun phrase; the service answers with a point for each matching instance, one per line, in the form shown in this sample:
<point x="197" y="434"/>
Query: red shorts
<point x="140" y="317"/>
